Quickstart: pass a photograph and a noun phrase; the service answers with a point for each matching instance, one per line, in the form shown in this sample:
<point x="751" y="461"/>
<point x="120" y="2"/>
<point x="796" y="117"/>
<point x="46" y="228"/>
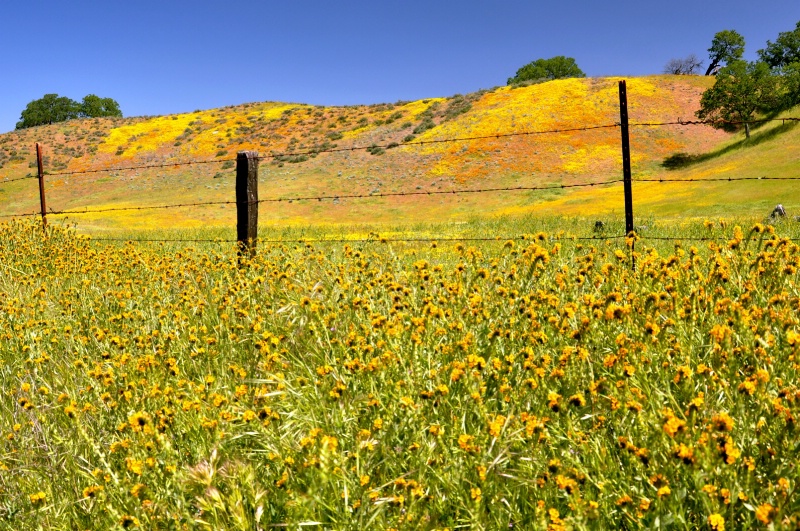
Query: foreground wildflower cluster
<point x="532" y="383"/>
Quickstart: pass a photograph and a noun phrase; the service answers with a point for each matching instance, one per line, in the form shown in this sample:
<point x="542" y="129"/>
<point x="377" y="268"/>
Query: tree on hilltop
<point x="741" y="89"/>
<point x="726" y="47"/>
<point x="52" y="108"/>
<point x="784" y="51"/>
<point x="683" y="67"/>
<point x="96" y="107"/>
<point x="49" y="109"/>
<point x="558" y="67"/>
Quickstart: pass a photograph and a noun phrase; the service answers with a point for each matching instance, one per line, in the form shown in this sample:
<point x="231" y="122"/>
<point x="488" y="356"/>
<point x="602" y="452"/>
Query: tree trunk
<point x="747" y="131"/>
<point x="711" y="67"/>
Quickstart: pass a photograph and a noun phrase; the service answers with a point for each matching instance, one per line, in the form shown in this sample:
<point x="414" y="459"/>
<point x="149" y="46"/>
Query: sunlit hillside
<point x="297" y="139"/>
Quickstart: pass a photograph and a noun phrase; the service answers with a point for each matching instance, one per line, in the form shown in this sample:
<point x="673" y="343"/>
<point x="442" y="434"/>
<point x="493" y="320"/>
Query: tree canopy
<point x="784" y="51"/>
<point x="95" y="107"/>
<point x="52" y="108"/>
<point x="741" y="89"/>
<point x="726" y="47"/>
<point x="547" y="69"/>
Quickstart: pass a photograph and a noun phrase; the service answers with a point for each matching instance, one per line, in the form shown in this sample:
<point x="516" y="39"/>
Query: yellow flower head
<point x="716" y="522"/>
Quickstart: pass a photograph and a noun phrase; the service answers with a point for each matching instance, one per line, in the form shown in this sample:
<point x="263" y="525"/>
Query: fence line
<point x="248" y="161"/>
<point x="713" y="179"/>
<point x="142" y="167"/>
<point x="498" y="239"/>
<point x="19" y="179"/>
<point x="326" y="197"/>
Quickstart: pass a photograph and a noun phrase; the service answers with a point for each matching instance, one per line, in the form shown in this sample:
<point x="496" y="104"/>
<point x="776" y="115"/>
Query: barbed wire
<point x="341" y="196"/>
<point x="707" y="179"/>
<point x="713" y="122"/>
<point x="442" y="192"/>
<point x="141" y="167"/>
<point x="499" y="239"/>
<point x="703" y="238"/>
<point x="20" y="215"/>
<point x="19" y="179"/>
<point x="152" y="207"/>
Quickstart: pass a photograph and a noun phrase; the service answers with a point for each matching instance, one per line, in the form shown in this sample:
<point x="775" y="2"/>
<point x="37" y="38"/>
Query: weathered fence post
<point x="626" y="164"/>
<point x="41" y="184"/>
<point x="247" y="202"/>
<point x="626" y="156"/>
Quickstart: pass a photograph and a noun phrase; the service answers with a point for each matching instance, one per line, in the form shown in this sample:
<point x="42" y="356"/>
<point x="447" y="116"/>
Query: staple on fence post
<point x="41" y="184"/>
<point x="247" y="203"/>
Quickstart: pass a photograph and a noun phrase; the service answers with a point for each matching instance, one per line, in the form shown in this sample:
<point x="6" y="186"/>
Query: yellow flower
<point x="765" y="512"/>
<point x="127" y="522"/>
<point x="138" y="420"/>
<point x="685" y="453"/>
<point x="134" y="465"/>
<point x="91" y="492"/>
<point x="496" y="425"/>
<point x="723" y="422"/>
<point x="37" y="498"/>
<point x="465" y="442"/>
<point x="716" y="522"/>
<point x="475" y="494"/>
<point x="552" y="401"/>
<point x="566" y="484"/>
<point x="673" y="425"/>
<point x="577" y="400"/>
<point x="71" y="411"/>
<point x="729" y="451"/>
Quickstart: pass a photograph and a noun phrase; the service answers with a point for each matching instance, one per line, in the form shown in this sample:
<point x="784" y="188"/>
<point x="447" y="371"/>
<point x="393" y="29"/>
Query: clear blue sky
<point x="169" y="56"/>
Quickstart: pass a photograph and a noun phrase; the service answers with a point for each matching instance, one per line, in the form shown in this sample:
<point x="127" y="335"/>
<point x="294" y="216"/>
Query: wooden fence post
<point x="626" y="156"/>
<point x="247" y="202"/>
<point x="41" y="184"/>
<point x="626" y="165"/>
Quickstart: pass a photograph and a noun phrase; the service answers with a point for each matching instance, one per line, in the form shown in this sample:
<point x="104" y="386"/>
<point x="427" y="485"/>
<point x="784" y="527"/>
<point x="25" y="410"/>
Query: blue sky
<point x="168" y="56"/>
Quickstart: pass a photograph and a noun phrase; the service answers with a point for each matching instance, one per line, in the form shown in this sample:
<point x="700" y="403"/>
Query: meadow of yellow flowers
<point x="530" y="383"/>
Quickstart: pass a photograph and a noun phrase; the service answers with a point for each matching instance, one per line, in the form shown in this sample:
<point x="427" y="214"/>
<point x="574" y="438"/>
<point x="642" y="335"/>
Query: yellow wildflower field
<point x="533" y="382"/>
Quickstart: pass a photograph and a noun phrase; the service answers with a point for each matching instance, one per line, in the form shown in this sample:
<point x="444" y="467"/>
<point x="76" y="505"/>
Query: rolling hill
<point x="308" y="155"/>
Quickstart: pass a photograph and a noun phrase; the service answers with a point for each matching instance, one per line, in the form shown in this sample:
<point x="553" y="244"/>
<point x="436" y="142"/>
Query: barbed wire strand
<point x="20" y="215"/>
<point x="145" y="166"/>
<point x="19" y="179"/>
<point x="499" y="239"/>
<point x="714" y="122"/>
<point x="711" y="179"/>
<point x="702" y="238"/>
<point x="341" y="196"/>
